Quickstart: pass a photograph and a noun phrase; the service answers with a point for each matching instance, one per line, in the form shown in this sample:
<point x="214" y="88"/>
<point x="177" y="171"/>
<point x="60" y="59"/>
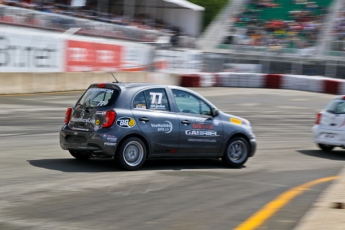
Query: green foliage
<point x="212" y="8"/>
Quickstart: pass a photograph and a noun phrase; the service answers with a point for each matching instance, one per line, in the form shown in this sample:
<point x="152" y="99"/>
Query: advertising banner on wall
<point x="136" y="57"/>
<point x="178" y="61"/>
<point x="24" y="51"/>
<point x="92" y="56"/>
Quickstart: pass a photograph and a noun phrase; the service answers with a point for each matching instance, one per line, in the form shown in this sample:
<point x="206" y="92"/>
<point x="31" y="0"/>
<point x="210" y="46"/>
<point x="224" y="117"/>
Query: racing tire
<point x="326" y="148"/>
<point x="237" y="152"/>
<point x="79" y="155"/>
<point x="131" y="155"/>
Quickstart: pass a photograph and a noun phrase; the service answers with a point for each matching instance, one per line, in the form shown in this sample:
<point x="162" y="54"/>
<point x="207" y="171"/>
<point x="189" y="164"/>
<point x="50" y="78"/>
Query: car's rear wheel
<point x="79" y="155"/>
<point x="131" y="154"/>
<point x="327" y="148"/>
<point x="237" y="152"/>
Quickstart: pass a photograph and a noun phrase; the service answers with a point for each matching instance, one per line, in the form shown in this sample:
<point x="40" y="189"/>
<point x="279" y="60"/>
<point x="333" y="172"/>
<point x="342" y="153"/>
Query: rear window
<point x="336" y="107"/>
<point x="98" y="97"/>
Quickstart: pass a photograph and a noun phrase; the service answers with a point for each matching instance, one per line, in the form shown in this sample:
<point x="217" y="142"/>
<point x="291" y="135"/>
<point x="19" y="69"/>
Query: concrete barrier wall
<point x="18" y="83"/>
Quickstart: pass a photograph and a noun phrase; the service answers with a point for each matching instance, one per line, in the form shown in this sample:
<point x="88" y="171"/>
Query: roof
<point x="186" y="4"/>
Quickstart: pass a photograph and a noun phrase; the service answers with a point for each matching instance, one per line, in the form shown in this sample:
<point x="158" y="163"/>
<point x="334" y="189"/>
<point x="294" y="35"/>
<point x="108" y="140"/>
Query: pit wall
<point x="273" y="81"/>
<point x="19" y="83"/>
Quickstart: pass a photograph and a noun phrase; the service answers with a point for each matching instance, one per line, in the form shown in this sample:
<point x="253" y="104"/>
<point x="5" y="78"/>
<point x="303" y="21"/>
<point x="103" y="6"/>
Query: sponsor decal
<point x="202" y="133"/>
<point x="166" y="127"/>
<point x="216" y="122"/>
<point x="172" y="151"/>
<point x="101" y="112"/>
<point x="101" y="90"/>
<point x="157" y="107"/>
<point x="198" y="120"/>
<point x="235" y="121"/>
<point x="140" y="106"/>
<point x="201" y="140"/>
<point x="154" y="98"/>
<point x="80" y="119"/>
<point x="125" y="122"/>
<point x="202" y="126"/>
<point x="109" y="144"/>
<point x="162" y="151"/>
<point x="110" y="138"/>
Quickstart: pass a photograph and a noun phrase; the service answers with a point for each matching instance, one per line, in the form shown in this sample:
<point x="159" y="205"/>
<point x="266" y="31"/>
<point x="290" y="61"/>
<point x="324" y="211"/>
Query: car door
<point x="152" y="111"/>
<point x="200" y="133"/>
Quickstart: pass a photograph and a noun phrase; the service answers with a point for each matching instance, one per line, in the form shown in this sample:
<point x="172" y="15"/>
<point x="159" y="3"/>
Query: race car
<point x="133" y="122"/>
<point x="329" y="128"/>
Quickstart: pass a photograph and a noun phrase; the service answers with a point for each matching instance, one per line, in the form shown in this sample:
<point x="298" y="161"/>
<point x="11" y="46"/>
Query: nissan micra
<point x="329" y="128"/>
<point x="132" y="122"/>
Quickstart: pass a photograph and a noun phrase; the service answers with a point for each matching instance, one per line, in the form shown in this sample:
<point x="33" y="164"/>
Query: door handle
<point x="144" y="119"/>
<point x="185" y="122"/>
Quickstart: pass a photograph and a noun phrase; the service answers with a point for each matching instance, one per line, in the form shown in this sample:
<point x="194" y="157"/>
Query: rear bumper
<point x="328" y="137"/>
<point x="93" y="142"/>
<point x="252" y="147"/>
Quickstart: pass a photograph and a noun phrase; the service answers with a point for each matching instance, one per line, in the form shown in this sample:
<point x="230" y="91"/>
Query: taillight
<point x="109" y="118"/>
<point x="318" y="118"/>
<point x="101" y="85"/>
<point x="68" y="115"/>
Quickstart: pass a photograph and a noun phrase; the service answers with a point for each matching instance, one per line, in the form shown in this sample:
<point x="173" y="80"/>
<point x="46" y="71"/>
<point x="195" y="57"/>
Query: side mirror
<point x="215" y="112"/>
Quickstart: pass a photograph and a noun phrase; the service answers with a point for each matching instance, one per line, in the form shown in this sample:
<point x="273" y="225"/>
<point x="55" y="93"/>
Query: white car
<point x="329" y="128"/>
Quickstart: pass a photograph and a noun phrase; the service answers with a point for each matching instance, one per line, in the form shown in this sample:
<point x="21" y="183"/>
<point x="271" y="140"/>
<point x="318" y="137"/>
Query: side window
<point x="188" y="103"/>
<point x="139" y="101"/>
<point x="156" y="99"/>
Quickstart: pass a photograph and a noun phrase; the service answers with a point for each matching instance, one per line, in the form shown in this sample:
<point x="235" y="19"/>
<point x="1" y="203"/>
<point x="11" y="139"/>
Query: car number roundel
<point x="125" y="122"/>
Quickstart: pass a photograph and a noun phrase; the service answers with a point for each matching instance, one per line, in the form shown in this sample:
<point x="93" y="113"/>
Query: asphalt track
<point x="43" y="187"/>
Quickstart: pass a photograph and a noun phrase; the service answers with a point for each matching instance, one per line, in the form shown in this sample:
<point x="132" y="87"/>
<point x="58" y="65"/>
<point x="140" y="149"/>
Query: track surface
<point x="43" y="187"/>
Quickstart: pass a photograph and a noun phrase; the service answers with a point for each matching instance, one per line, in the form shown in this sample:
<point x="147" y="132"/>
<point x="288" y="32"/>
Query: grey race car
<point x="136" y="121"/>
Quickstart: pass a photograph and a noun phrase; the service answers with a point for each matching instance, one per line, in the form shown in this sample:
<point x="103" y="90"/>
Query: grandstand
<point x="282" y="25"/>
<point x="282" y="36"/>
<point x="292" y="27"/>
<point x="141" y="21"/>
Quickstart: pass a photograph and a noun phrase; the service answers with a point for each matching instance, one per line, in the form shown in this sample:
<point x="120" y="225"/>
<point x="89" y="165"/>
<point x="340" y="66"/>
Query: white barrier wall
<point x="30" y="52"/>
<point x="178" y="61"/>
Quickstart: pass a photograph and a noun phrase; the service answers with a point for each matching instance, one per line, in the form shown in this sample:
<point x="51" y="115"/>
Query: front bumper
<point x="91" y="142"/>
<point x="328" y="137"/>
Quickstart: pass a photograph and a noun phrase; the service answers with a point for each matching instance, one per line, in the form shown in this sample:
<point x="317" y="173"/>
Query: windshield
<point x="98" y="97"/>
<point x="336" y="107"/>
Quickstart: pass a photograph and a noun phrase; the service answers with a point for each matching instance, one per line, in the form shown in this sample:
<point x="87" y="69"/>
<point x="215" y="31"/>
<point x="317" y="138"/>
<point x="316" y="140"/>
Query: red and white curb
<point x="257" y="80"/>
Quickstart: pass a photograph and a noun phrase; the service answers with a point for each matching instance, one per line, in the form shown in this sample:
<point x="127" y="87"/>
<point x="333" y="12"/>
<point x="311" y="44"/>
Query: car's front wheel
<point x="79" y="155"/>
<point x="131" y="154"/>
<point x="327" y="148"/>
<point x="237" y="152"/>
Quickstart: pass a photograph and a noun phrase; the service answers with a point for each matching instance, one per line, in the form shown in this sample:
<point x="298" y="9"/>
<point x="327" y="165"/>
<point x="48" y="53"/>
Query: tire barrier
<point x="273" y="81"/>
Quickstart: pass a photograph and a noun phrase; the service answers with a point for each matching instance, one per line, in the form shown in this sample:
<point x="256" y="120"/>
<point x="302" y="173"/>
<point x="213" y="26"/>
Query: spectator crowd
<point x="299" y="29"/>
